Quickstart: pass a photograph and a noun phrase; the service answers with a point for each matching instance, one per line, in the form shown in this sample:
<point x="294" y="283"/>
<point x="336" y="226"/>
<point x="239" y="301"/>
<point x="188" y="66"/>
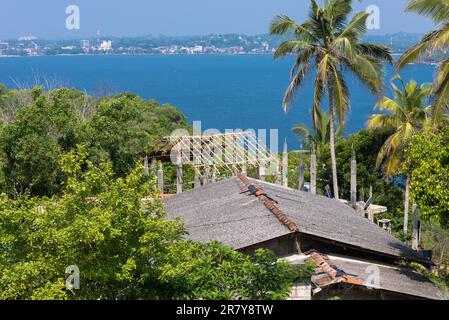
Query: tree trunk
<point x="406" y="204"/>
<point x="332" y="147"/>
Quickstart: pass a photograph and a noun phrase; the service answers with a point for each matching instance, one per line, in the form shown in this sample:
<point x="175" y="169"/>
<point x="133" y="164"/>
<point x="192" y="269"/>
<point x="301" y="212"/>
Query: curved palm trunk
<point x="406" y="204"/>
<point x="332" y="146"/>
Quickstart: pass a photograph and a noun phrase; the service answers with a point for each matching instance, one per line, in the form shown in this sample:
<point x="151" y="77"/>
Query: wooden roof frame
<point x="226" y="151"/>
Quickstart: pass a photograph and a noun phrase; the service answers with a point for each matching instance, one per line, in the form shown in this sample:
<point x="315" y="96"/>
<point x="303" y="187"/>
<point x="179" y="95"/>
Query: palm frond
<point x="340" y="93"/>
<point x="356" y="27"/>
<point x="375" y="51"/>
<point x="291" y="46"/>
<point x="295" y="84"/>
<point x="417" y="50"/>
<point x="381" y="120"/>
<point x="318" y="94"/>
<point x="283" y="25"/>
<point x="369" y="71"/>
<point x="438" y="10"/>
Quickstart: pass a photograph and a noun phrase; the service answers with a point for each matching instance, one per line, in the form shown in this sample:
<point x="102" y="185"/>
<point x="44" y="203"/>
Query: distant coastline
<point x="395" y="55"/>
<point x="227" y="44"/>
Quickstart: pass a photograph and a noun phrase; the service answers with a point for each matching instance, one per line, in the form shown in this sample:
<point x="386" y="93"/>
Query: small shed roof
<point x="391" y="278"/>
<point x="374" y="275"/>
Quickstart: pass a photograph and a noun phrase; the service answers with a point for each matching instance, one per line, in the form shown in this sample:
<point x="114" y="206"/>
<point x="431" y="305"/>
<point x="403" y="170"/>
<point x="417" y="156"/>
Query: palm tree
<point x="319" y="136"/>
<point x="407" y="114"/>
<point x="330" y="44"/>
<point x="438" y="11"/>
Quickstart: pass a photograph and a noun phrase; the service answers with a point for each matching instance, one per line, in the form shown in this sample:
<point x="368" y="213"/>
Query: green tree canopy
<point x="37" y="127"/>
<point x="122" y="246"/>
<point x="126" y="127"/>
<point x="428" y="161"/>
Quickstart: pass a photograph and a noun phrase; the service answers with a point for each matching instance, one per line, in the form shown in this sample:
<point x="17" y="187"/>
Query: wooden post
<point x="313" y="171"/>
<point x="301" y="170"/>
<point x="146" y="167"/>
<point x="285" y="165"/>
<point x="353" y="178"/>
<point x="160" y="179"/>
<point x="415" y="227"/>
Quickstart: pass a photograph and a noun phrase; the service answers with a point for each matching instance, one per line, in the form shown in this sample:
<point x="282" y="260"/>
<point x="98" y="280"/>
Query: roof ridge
<point x="328" y="274"/>
<point x="268" y="202"/>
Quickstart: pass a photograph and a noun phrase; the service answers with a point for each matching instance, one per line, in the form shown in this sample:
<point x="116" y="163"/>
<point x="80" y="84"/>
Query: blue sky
<point x="46" y="18"/>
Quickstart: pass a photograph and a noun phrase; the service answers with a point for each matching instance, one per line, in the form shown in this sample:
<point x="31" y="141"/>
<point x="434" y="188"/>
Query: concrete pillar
<point x="153" y="162"/>
<point x="234" y="156"/>
<point x="313" y="172"/>
<point x="353" y="179"/>
<point x="197" y="182"/>
<point x="262" y="172"/>
<point x="415" y="227"/>
<point x="179" y="179"/>
<point x="301" y="171"/>
<point x="179" y="172"/>
<point x="160" y="179"/>
<point x="146" y="167"/>
<point x="207" y="174"/>
<point x="278" y="177"/>
<point x="285" y="165"/>
<point x="244" y="169"/>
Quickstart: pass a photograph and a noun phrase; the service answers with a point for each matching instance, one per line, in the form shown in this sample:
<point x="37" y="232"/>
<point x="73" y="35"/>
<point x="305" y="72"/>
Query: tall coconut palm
<point x="438" y="11"/>
<point x="407" y="114"/>
<point x="329" y="43"/>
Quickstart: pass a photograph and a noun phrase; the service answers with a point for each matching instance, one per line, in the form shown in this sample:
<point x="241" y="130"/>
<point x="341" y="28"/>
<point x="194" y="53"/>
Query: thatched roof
<point x="219" y="211"/>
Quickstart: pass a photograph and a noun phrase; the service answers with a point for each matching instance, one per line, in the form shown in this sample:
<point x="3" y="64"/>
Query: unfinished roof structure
<point x="245" y="213"/>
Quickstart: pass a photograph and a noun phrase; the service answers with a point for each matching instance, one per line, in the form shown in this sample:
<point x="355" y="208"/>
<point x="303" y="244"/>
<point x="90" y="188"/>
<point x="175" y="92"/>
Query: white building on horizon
<point x="106" y="46"/>
<point x="27" y="38"/>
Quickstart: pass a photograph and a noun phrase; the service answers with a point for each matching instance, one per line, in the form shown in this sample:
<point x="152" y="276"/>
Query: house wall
<point x="348" y="292"/>
<point x="301" y="291"/>
<point x="300" y="243"/>
<point x="288" y="245"/>
<point x="282" y="247"/>
<point x="330" y="247"/>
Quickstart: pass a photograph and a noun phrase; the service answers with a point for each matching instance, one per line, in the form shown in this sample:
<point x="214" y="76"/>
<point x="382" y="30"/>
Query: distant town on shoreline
<point x="230" y="44"/>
